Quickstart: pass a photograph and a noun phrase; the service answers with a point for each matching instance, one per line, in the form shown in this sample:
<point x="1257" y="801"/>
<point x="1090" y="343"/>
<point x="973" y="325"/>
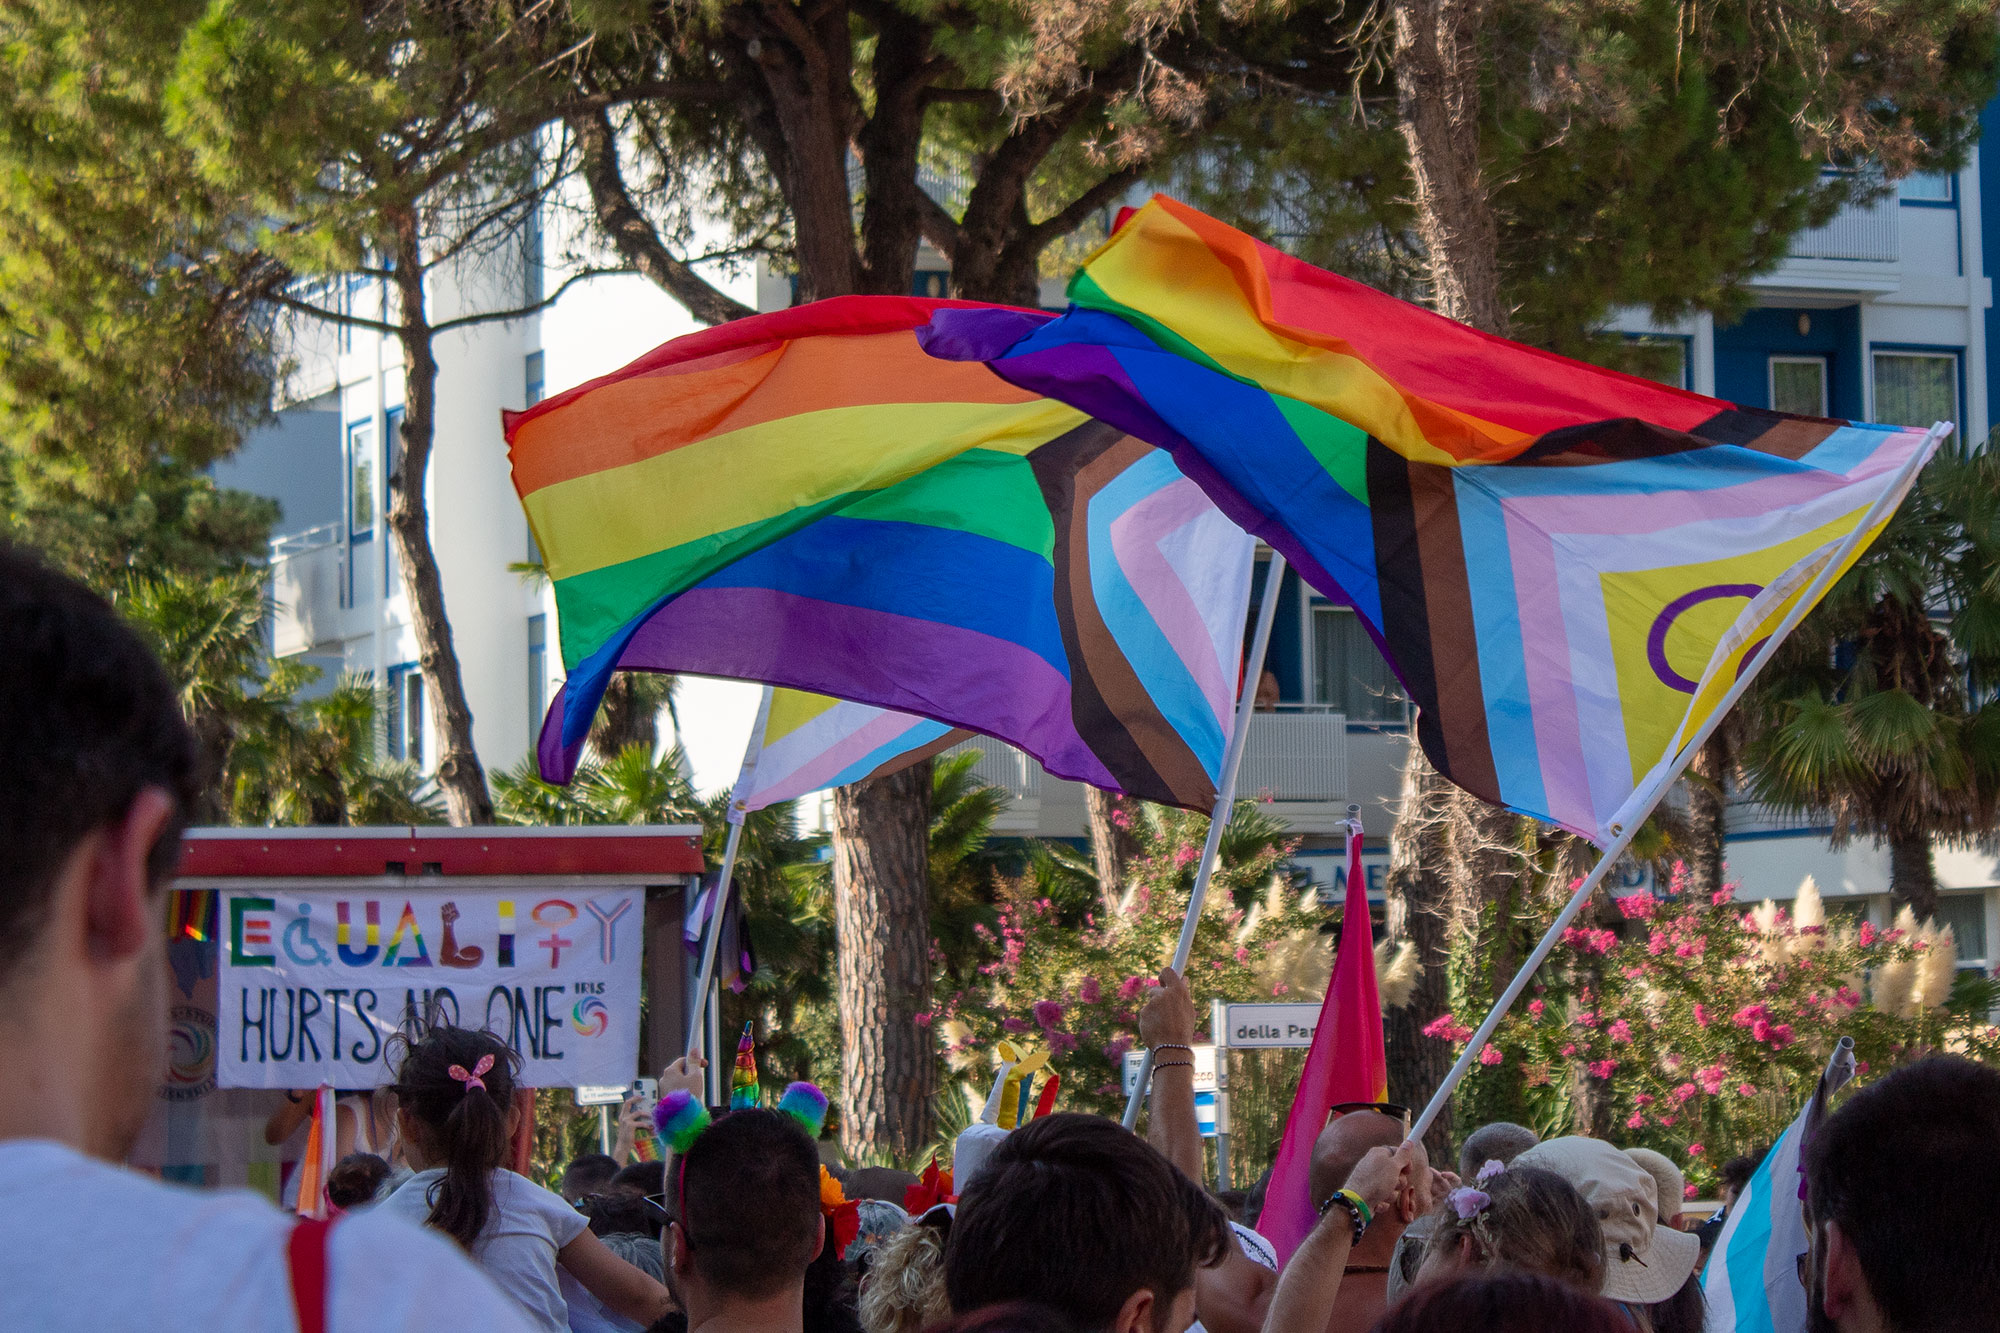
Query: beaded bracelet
<point x="1172" y="1064"/>
<point x="1357" y="1210"/>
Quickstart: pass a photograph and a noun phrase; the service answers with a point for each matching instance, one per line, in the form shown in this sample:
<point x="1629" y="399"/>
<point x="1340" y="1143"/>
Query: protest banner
<point x="315" y="983"/>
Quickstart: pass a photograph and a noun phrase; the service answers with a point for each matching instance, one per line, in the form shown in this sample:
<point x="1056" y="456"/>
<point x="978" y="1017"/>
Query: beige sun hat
<point x="1644" y="1262"/>
<point x="1672" y="1185"/>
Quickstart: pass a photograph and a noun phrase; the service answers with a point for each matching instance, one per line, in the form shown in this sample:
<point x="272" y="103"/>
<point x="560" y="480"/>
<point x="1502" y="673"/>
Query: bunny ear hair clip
<point x="681" y="1119"/>
<point x="476" y="1078"/>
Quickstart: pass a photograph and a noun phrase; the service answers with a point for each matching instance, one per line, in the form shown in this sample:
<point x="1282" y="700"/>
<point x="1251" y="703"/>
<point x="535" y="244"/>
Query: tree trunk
<point x="1708" y="790"/>
<point x="1112" y="845"/>
<point x="1437" y="105"/>
<point x="629" y="715"/>
<point x="881" y="889"/>
<point x="460" y="775"/>
<point x="1417" y="892"/>
<point x="1913" y="874"/>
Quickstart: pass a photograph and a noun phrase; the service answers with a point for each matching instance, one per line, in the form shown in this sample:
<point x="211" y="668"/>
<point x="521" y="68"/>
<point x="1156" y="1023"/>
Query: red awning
<point x="630" y="853"/>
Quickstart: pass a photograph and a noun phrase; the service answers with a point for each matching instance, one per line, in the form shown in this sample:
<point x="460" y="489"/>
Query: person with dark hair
<point x="101" y="774"/>
<point x="1502" y="1303"/>
<point x="1903" y="1236"/>
<point x="1502" y="1141"/>
<point x="1077" y="1213"/>
<point x="589" y="1173"/>
<point x="1013" y="1317"/>
<point x="1736" y="1173"/>
<point x="354" y="1179"/>
<point x="744" y="1223"/>
<point x="648" y="1180"/>
<point x="455" y="1098"/>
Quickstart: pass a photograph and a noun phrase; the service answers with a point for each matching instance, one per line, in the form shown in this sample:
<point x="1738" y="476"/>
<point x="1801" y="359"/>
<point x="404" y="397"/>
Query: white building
<point x="1883" y="314"/>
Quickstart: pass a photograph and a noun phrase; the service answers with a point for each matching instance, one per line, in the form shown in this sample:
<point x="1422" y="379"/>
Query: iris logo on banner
<point x="313" y="985"/>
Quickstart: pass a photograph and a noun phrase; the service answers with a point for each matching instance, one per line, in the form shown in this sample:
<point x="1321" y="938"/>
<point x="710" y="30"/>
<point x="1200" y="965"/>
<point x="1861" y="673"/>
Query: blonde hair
<point x="904" y="1289"/>
<point x="1534" y="1222"/>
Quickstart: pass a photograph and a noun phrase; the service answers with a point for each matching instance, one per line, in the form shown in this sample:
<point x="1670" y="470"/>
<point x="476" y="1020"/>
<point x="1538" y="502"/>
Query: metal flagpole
<point x="1635" y="810"/>
<point x="706" y="977"/>
<point x="1225" y="799"/>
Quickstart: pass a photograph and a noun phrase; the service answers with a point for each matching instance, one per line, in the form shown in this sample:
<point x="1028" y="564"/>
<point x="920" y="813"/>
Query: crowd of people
<point x="1068" y="1224"/>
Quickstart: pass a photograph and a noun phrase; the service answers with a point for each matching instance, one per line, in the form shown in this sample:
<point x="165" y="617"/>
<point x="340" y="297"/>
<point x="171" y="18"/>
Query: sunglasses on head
<point x="1395" y="1109"/>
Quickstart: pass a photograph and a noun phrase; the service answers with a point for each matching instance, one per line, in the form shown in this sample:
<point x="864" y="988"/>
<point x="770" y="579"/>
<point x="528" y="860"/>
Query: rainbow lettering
<point x="407" y="923"/>
<point x="358" y="957"/>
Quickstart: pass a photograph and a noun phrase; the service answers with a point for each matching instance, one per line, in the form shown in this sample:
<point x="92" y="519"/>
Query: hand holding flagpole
<point x="1225" y="800"/>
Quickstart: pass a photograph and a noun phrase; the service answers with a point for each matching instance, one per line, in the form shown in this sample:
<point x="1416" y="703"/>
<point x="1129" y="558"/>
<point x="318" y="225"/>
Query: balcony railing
<point x="1289" y="756"/>
<point x="1867" y="232"/>
<point x="1003" y="766"/>
<point x="308" y="579"/>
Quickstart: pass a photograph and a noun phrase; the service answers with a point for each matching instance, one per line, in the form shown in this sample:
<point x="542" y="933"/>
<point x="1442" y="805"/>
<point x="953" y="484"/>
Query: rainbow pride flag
<point x="1567" y="567"/>
<point x="807" y="742"/>
<point x="809" y="500"/>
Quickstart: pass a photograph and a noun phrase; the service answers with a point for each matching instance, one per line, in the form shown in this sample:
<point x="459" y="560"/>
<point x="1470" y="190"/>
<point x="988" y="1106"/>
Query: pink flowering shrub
<point x="1697" y="1028"/>
<point x="1074" y="984"/>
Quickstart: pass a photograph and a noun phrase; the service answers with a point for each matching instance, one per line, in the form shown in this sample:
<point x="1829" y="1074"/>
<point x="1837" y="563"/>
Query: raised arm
<point x="1310" y="1283"/>
<point x="618" y="1284"/>
<point x="1166" y="1024"/>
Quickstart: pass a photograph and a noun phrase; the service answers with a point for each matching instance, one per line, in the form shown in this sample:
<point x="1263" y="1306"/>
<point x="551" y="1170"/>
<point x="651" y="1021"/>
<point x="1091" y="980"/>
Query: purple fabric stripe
<point x="943" y="672"/>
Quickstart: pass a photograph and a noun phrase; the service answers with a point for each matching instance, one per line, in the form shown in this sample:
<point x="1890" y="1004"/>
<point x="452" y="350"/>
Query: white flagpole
<point x="1225" y="798"/>
<point x="720" y="898"/>
<point x="1635" y="810"/>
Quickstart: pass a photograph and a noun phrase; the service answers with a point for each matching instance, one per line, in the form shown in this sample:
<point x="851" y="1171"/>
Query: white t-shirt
<point x="517" y="1249"/>
<point x="87" y="1247"/>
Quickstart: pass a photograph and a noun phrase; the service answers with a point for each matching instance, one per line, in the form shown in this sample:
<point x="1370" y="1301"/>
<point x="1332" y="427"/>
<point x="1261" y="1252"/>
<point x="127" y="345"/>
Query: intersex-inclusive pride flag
<point x="807" y="499"/>
<point x="806" y="742"/>
<point x="1567" y="567"/>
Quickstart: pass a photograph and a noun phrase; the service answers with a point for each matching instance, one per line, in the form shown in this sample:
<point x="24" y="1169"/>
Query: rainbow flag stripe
<point x="807" y="742"/>
<point x="803" y="499"/>
<point x="1566" y="566"/>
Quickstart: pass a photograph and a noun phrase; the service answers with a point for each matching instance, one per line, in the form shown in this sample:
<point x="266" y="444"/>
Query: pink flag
<point x="1347" y="1063"/>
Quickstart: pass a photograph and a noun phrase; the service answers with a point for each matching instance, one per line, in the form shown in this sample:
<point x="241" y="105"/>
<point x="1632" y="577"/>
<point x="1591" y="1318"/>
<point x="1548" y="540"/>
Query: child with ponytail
<point x="455" y="1093"/>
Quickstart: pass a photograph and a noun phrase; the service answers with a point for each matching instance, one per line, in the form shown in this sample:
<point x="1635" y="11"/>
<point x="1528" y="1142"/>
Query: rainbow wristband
<point x="1357" y="1208"/>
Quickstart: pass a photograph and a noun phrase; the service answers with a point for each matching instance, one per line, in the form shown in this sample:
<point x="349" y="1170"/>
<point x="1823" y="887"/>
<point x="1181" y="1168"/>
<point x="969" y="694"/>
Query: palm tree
<point x="1879" y="713"/>
<point x="208" y="631"/>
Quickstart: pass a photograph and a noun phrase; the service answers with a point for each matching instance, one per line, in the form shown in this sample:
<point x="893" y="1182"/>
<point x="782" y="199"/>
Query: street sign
<point x="1267" y="1026"/>
<point x="1204" y="1069"/>
<point x="601" y="1094"/>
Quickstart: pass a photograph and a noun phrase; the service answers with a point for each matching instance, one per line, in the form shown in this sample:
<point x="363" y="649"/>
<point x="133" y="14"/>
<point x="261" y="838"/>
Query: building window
<point x="531" y="256"/>
<point x="1663" y="360"/>
<point x="535" y="382"/>
<point x="1798" y="385"/>
<point x="538" y="674"/>
<point x="392" y="474"/>
<point x="1348" y="673"/>
<point x="361" y="481"/>
<point x="1927" y="187"/>
<point x="1965" y="913"/>
<point x="403" y="723"/>
<point x="350" y="305"/>
<point x="1916" y="388"/>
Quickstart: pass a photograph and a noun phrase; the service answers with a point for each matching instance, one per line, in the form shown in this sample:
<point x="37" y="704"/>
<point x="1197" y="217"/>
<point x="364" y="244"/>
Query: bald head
<point x="1342" y="1144"/>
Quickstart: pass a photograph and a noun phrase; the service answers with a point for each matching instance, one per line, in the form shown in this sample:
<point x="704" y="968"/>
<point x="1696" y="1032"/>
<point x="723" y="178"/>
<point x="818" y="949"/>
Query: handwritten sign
<point x="314" y="985"/>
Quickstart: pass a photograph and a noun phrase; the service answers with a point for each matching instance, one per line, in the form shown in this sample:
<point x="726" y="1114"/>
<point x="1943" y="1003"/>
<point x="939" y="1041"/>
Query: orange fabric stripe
<point x="627" y="420"/>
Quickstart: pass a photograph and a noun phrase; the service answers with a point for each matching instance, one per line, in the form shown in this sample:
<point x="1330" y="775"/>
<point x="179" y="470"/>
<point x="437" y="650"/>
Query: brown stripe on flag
<point x="1767" y="432"/>
<point x="1110" y="705"/>
<point x="898" y="762"/>
<point x="1454" y="640"/>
